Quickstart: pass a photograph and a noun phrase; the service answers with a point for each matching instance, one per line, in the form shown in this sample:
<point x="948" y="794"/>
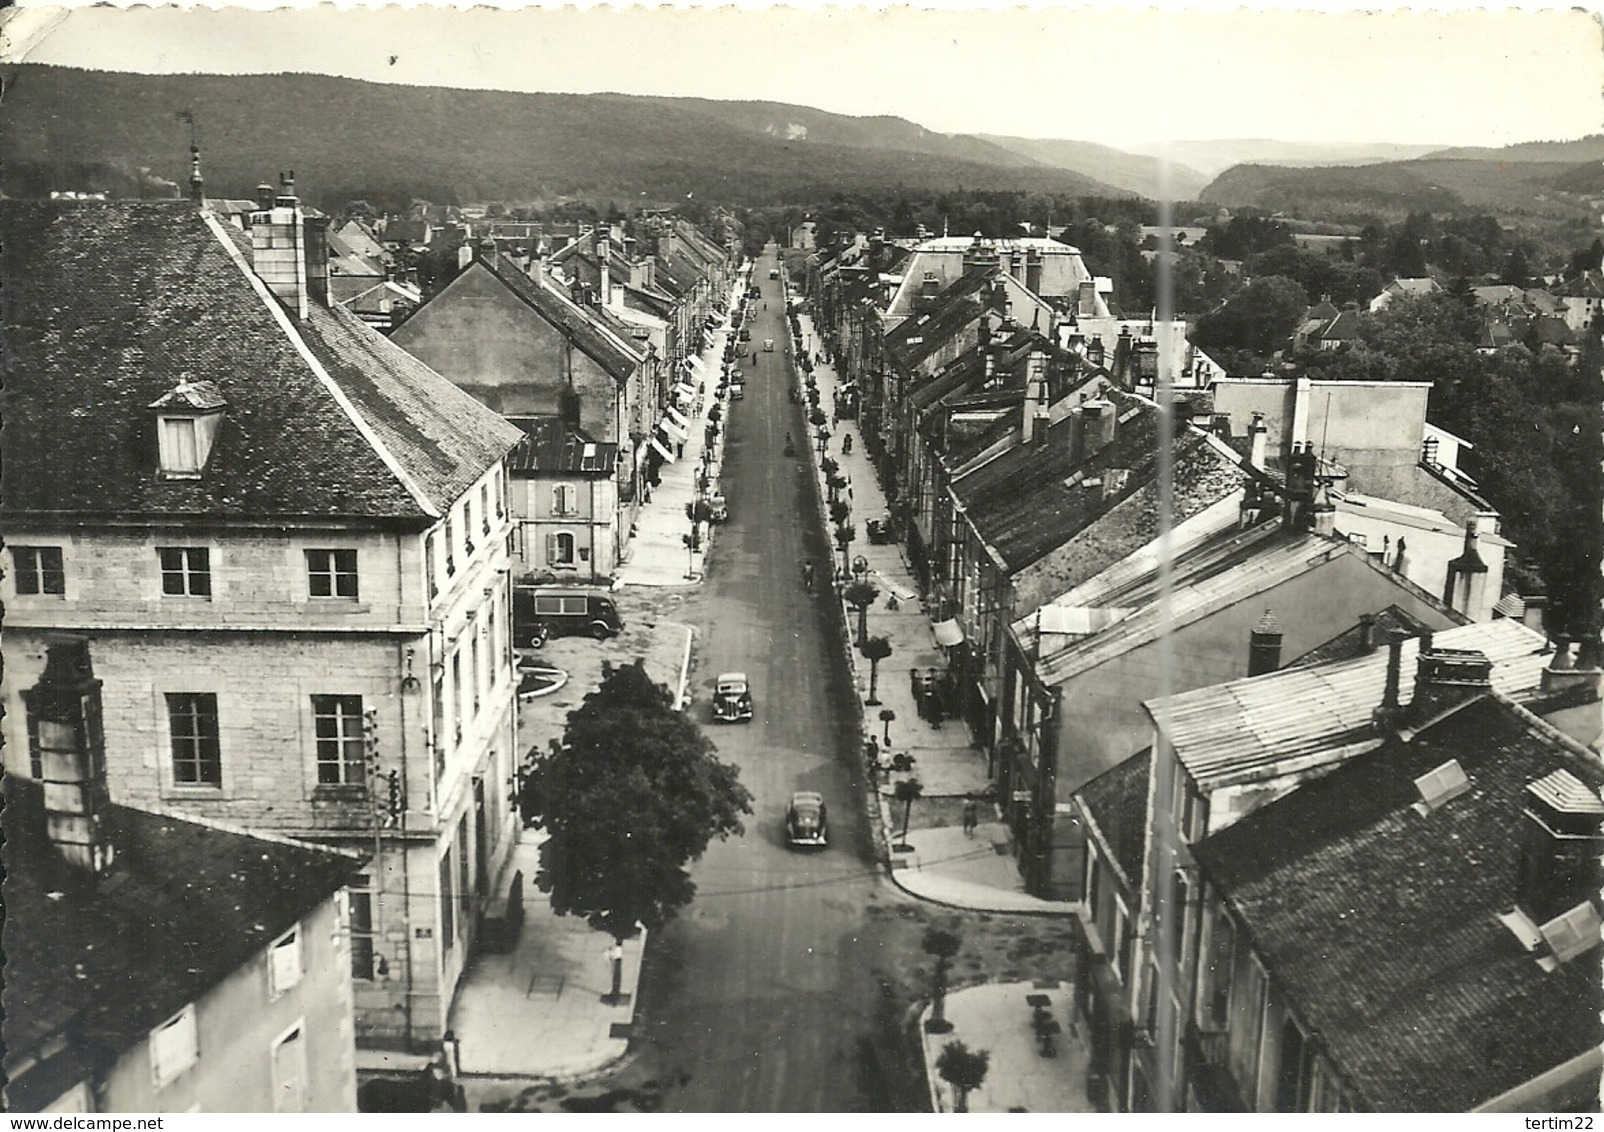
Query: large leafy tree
<point x="631" y="794"/>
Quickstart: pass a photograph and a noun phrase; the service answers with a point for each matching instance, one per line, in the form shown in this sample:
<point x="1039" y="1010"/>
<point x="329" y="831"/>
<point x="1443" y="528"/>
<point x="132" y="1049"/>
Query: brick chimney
<point x="1101" y="424"/>
<point x="1264" y="645"/>
<point x="1446" y="678"/>
<point x="1562" y="836"/>
<point x="1034" y="420"/>
<point x="64" y="729"/>
<point x="1466" y="584"/>
<point x="278" y="248"/>
<point x="1368" y="633"/>
<point x="1388" y="712"/>
<point x="1033" y="270"/>
<point x="1301" y="467"/>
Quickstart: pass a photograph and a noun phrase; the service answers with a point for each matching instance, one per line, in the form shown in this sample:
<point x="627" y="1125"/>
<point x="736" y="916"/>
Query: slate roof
<point x="1020" y="504"/>
<point x="1378" y="923"/>
<point x="111" y="306"/>
<point x="184" y="906"/>
<point x="549" y="447"/>
<point x="1349" y="645"/>
<point x="578" y="324"/>
<point x="957" y="307"/>
<point x="1116" y="800"/>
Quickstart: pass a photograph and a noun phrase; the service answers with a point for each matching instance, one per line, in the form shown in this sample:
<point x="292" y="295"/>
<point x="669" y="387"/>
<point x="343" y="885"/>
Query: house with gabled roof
<point x="1404" y="285"/>
<point x="524" y="346"/>
<point x="1583" y="298"/>
<point x="1323" y="953"/>
<point x="563" y="500"/>
<point x="285" y="539"/>
<point x="157" y="963"/>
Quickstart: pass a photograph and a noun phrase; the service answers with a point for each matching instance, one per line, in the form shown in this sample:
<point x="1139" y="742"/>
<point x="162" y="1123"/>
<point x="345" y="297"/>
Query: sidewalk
<point x="1019" y="1077"/>
<point x="539" y="1011"/>
<point x="656" y="554"/>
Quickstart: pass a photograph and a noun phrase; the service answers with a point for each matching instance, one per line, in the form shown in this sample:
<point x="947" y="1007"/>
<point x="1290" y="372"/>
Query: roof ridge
<point x="363" y="426"/>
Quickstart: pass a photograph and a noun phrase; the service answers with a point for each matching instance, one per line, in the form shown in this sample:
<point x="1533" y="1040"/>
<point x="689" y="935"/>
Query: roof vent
<point x="1441" y="786"/>
<point x="1569" y="935"/>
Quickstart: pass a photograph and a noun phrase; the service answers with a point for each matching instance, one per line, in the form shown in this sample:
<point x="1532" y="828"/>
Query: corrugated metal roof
<point x="1234" y="732"/>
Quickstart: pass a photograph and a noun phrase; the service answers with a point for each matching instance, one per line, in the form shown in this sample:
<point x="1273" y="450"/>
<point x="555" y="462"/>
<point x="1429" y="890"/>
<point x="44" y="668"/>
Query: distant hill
<point x="1213" y="156"/>
<point x="1535" y="190"/>
<point x="1136" y="172"/>
<point x="72" y="129"/>
<point x="1590" y="148"/>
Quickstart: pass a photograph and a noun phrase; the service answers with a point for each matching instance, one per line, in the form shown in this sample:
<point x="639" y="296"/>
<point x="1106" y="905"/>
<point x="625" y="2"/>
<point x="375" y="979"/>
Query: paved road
<point x="760" y="998"/>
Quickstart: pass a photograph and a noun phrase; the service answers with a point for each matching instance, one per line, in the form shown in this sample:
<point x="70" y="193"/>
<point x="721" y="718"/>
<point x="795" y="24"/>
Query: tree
<point x="942" y="943"/>
<point x="860" y="594"/>
<point x="875" y="649"/>
<point x="631" y="794"/>
<point x="845" y="533"/>
<point x="964" y="1069"/>
<point x="907" y="792"/>
<point x="1260" y="318"/>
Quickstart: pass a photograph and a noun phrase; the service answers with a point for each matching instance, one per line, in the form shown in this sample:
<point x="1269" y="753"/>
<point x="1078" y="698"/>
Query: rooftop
<point x="1379" y="923"/>
<point x="548" y="446"/>
<point x="1116" y="802"/>
<point x="184" y="906"/>
<point x="112" y="306"/>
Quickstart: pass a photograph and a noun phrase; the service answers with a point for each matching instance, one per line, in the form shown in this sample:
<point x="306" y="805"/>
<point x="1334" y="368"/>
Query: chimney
<point x="1086" y="299"/>
<point x="1035" y="419"/>
<point x="1466" y="585"/>
<point x="197" y="184"/>
<point x="1077" y="435"/>
<point x="1259" y="441"/>
<point x="1100" y="425"/>
<point x="1367" y="632"/>
<point x="1446" y="678"/>
<point x="1428" y="451"/>
<point x="1300" y="411"/>
<point x="1562" y="835"/>
<point x="63" y="711"/>
<point x="264" y="197"/>
<point x="1122" y="358"/>
<point x="1301" y="466"/>
<point x="1387" y="713"/>
<point x="278" y="248"/>
<point x="317" y="258"/>
<point x="1264" y="646"/>
<point x="603" y="254"/>
<point x="1033" y="270"/>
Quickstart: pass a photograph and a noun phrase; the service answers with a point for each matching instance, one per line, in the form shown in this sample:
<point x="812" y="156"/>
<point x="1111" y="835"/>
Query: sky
<point x="1118" y="75"/>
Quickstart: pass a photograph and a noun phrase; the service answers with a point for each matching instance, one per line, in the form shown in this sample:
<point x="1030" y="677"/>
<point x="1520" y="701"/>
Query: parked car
<point x="805" y="819"/>
<point x="718" y="509"/>
<point x="774" y="273"/>
<point x="768" y="345"/>
<point x="732" y="698"/>
<point x="542" y="612"/>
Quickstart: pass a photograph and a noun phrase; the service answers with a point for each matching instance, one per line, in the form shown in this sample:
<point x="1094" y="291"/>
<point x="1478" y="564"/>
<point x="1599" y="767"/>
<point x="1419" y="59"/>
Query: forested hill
<point x="87" y="130"/>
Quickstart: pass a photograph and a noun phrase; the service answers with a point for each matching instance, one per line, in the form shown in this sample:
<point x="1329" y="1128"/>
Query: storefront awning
<point x="662" y="450"/>
<point x="948" y="633"/>
<point x="693" y="362"/>
<point x="673" y="429"/>
<point x="678" y="417"/>
<point x="683" y="390"/>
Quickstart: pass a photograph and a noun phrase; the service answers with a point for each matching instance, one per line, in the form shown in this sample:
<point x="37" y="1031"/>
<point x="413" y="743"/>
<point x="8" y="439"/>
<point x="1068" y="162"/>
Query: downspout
<point x="406" y="871"/>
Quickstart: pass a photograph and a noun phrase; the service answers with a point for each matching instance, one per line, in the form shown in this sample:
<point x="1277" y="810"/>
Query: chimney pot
<point x="1445" y="678"/>
<point x="1264" y="645"/>
<point x="1367" y="632"/>
<point x="1562" y="836"/>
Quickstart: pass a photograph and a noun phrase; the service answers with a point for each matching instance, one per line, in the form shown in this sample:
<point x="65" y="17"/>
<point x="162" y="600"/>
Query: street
<point x="761" y="997"/>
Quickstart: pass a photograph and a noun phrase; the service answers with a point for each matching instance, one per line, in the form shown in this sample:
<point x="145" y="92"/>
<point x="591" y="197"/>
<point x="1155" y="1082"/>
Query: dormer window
<point x="187" y="417"/>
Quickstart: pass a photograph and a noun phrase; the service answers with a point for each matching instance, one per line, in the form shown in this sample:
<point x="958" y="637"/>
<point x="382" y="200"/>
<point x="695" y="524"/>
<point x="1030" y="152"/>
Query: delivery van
<point x="541" y="612"/>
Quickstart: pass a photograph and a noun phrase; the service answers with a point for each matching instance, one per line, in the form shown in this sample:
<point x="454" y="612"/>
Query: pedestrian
<point x="807" y="575"/>
<point x="871" y="753"/>
<point x="971" y="817"/>
<point x="846" y="445"/>
<point x="680" y="452"/>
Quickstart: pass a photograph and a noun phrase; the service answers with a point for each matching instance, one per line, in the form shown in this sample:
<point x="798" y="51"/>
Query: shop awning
<point x="948" y="633"/>
<point x="678" y="417"/>
<point x="683" y="390"/>
<point x="693" y="362"/>
<point x="662" y="450"/>
<point x="673" y="429"/>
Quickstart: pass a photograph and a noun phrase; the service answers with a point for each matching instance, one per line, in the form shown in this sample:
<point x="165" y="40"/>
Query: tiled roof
<point x="1379" y="926"/>
<point x="184" y="906"/>
<point x="593" y="341"/>
<point x="1117" y="803"/>
<point x="1021" y="505"/>
<point x="919" y="335"/>
<point x="550" y="447"/>
<point x="1239" y="731"/>
<point x="1349" y="644"/>
<point x="113" y="306"/>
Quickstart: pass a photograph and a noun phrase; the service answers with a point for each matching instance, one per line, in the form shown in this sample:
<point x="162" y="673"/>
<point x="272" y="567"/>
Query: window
<point x="474" y="669"/>
<point x="562" y="499"/>
<point x="39" y="570"/>
<point x="484" y="505"/>
<point x="464" y="877"/>
<point x="192" y="719"/>
<point x="451" y="546"/>
<point x="337" y="724"/>
<point x="467" y="524"/>
<point x="284" y="964"/>
<point x="331" y="573"/>
<point x="289" y="1072"/>
<point x="560" y="549"/>
<point x="186" y="571"/>
<point x="180" y="447"/>
<point x="448" y="921"/>
<point x="1120" y="952"/>
<point x="428" y="565"/>
<point x="361" y="904"/>
<point x="1094" y="883"/>
<point x="174" y="1046"/>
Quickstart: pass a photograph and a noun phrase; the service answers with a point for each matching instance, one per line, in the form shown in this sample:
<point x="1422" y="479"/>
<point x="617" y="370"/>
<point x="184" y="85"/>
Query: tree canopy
<point x="631" y="794"/>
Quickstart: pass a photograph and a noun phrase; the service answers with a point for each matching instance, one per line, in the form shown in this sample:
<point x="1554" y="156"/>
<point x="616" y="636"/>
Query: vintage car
<point x="768" y="345"/>
<point x="805" y="821"/>
<point x="732" y="698"/>
<point x="718" y="508"/>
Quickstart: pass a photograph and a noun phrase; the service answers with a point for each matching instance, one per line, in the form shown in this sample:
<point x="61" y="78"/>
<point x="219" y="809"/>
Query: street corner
<point x="1035" y="1057"/>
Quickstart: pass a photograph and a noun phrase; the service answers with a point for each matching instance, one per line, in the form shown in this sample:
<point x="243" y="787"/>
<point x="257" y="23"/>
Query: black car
<point x="805" y="819"/>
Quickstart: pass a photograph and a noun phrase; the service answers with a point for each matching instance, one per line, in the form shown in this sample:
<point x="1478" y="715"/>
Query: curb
<point x="685" y="669"/>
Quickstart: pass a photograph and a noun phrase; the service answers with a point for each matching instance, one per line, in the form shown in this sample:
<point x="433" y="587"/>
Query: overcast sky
<point x="1100" y="73"/>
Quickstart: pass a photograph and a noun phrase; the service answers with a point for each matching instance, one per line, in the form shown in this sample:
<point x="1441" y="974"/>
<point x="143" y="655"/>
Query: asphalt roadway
<point x="761" y="996"/>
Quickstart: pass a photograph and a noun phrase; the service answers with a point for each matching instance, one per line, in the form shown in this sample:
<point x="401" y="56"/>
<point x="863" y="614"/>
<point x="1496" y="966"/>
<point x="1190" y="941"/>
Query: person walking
<point x="807" y="575"/>
<point x="971" y="817"/>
